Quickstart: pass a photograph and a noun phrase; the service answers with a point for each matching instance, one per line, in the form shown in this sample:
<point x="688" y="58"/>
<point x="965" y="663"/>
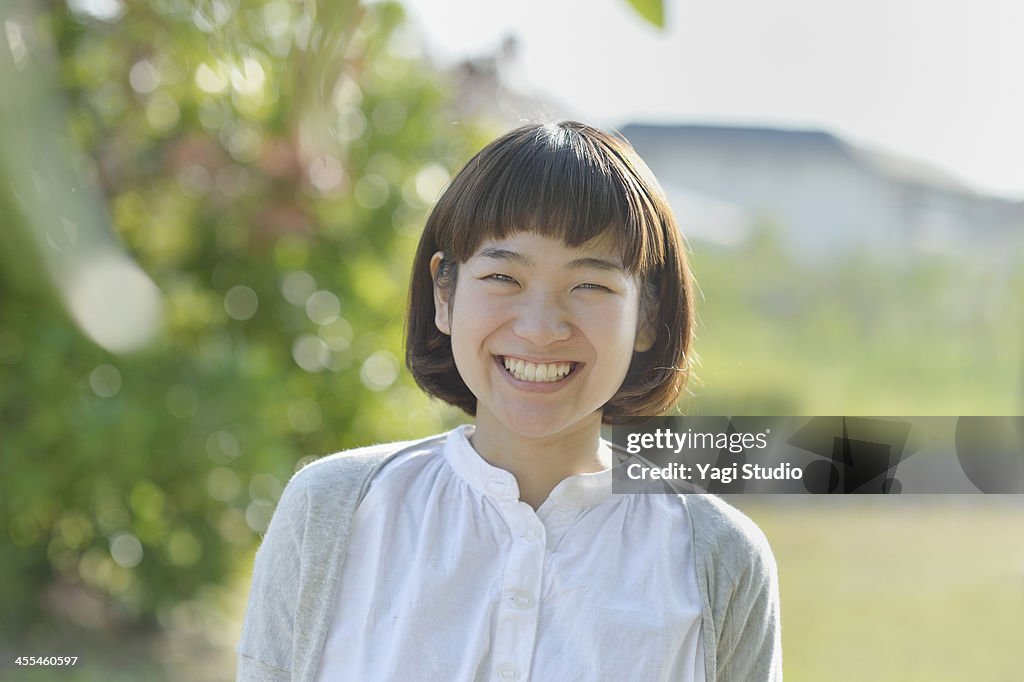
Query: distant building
<point x="823" y="195"/>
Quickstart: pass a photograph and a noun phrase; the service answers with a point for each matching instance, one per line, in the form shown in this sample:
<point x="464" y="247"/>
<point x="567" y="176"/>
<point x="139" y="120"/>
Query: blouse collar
<point x="579" y="490"/>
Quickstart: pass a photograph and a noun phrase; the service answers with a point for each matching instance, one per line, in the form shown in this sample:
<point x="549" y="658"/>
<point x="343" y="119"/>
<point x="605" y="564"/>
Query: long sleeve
<point x="265" y="653"/>
<point x="738" y="579"/>
<point x="750" y="641"/>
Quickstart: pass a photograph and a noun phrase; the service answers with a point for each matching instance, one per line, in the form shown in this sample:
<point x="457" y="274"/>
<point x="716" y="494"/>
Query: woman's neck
<point x="539" y="464"/>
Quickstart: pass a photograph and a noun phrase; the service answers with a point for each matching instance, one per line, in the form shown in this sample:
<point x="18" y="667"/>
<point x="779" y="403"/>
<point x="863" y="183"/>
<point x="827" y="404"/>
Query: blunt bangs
<point x="564" y="181"/>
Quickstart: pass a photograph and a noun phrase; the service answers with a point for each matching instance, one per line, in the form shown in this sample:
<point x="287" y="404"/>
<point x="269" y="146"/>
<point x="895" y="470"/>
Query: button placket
<point x="518" y="613"/>
<point x="508" y="671"/>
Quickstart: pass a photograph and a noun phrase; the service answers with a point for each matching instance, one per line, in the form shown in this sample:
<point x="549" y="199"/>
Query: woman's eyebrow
<point x="597" y="264"/>
<point x="578" y="263"/>
<point x="507" y="255"/>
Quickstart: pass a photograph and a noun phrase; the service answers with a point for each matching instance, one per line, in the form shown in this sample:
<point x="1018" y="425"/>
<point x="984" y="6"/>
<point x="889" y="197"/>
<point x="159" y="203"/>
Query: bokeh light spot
<point x="326" y="173"/>
<point x="379" y="371"/>
<point x="183" y="548"/>
<point x="337" y="335"/>
<point x="162" y="112"/>
<point x="323" y="307"/>
<point x="310" y="353"/>
<point x="243" y="143"/>
<point x="248" y="78"/>
<point x="222" y="446"/>
<point x="350" y="126"/>
<point x="258" y="514"/>
<point x="147" y="500"/>
<point x="144" y="77"/>
<point x="277" y="17"/>
<point x="241" y="302"/>
<point x="210" y="80"/>
<point x="296" y="287"/>
<point x="105" y="381"/>
<point x="265" y="487"/>
<point x="75" y="530"/>
<point x="223" y="484"/>
<point x="232" y="526"/>
<point x="210" y="15"/>
<point x="126" y="550"/>
<point x="430" y="181"/>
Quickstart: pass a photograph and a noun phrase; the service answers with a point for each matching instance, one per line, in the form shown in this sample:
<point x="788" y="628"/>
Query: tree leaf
<point x="651" y="10"/>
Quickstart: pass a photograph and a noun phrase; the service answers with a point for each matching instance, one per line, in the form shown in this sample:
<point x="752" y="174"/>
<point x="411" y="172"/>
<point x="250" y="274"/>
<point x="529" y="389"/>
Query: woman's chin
<point x="537" y="424"/>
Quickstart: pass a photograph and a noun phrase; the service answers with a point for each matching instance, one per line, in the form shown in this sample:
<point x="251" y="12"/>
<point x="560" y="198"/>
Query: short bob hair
<point x="571" y="182"/>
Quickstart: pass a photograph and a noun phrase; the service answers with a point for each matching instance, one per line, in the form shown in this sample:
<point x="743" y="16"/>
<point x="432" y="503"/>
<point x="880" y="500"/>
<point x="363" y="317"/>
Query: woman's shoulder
<point x="352" y="467"/>
<point x="726" y="536"/>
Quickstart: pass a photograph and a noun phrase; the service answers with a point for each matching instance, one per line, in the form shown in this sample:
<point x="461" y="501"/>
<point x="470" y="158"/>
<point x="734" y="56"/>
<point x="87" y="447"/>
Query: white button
<point x="521" y="600"/>
<point x="508" y="671"/>
<point x="531" y="535"/>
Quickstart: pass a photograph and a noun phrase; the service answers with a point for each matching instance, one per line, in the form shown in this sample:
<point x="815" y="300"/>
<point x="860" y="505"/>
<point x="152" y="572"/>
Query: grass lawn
<point x="927" y="588"/>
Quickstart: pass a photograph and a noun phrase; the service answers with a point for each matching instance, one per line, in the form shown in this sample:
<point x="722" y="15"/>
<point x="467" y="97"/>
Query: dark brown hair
<point x="571" y="182"/>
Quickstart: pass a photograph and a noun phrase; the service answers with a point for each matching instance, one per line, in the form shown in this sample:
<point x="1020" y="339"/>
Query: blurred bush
<point x="269" y="165"/>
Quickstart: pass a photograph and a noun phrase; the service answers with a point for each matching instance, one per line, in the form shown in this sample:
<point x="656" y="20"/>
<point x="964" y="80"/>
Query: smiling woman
<point x="591" y="193"/>
<point x="550" y="294"/>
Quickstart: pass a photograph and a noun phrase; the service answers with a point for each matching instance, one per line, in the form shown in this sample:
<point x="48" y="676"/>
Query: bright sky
<point x="937" y="80"/>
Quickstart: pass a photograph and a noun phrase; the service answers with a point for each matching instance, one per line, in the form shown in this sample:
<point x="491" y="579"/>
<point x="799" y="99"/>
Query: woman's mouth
<point x="524" y="370"/>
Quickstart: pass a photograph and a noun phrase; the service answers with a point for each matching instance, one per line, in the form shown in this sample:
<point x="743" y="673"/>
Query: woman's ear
<point x="645" y="337"/>
<point x="442" y="320"/>
<point x="646" y="325"/>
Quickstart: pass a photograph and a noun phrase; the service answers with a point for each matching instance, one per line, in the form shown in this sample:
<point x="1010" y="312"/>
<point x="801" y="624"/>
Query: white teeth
<point x="529" y="371"/>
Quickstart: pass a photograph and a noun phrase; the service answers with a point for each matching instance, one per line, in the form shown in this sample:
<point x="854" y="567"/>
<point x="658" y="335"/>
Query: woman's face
<point x="542" y="333"/>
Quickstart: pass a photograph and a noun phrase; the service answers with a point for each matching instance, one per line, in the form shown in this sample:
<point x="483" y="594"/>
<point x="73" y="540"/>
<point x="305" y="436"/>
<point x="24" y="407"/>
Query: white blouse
<point x="450" y="577"/>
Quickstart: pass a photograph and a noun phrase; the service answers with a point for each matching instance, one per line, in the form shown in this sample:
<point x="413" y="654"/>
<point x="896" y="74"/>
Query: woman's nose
<point x="541" y="321"/>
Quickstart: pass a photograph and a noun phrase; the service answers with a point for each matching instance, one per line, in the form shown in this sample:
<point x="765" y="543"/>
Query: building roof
<point x="643" y="134"/>
<point x="895" y="168"/>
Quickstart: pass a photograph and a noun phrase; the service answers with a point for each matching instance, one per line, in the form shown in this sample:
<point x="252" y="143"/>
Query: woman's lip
<point x="502" y="358"/>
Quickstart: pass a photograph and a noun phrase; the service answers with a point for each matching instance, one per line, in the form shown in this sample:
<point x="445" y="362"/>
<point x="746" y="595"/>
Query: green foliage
<point x="270" y="168"/>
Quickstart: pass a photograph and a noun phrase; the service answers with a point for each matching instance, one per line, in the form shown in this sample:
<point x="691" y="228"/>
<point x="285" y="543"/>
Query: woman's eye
<point x="498" y="277"/>
<point x="593" y="287"/>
